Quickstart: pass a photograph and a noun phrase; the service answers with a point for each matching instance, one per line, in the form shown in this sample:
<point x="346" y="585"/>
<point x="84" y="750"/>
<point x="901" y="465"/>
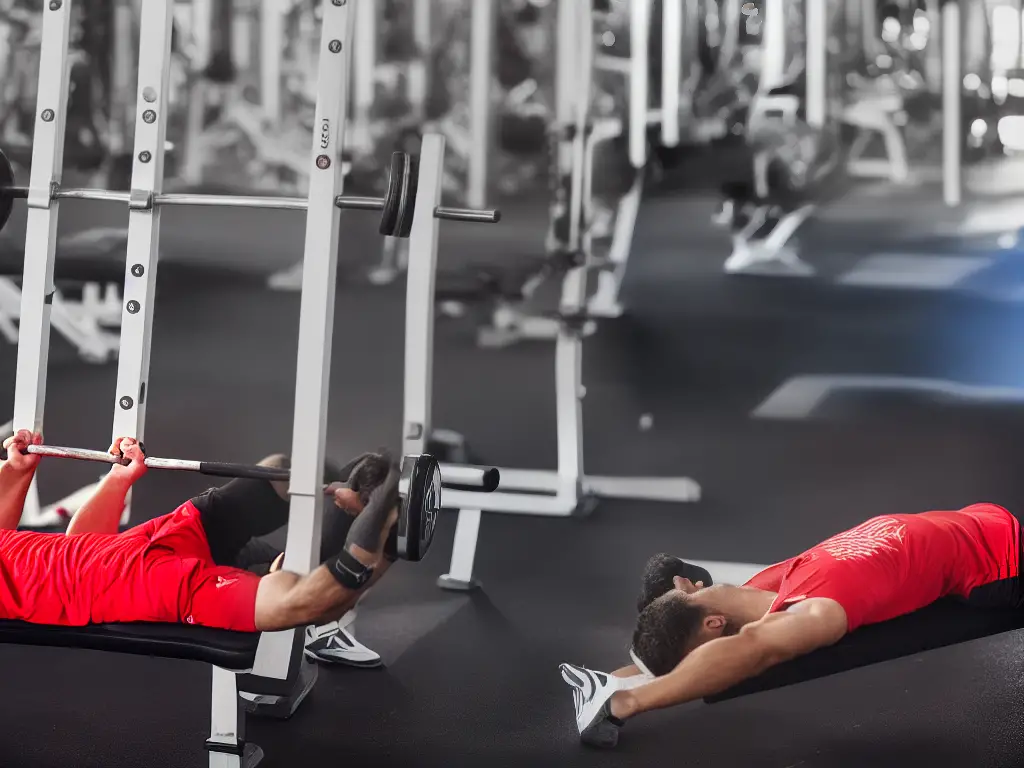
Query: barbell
<point x="419" y="487"/>
<point x="397" y="207"/>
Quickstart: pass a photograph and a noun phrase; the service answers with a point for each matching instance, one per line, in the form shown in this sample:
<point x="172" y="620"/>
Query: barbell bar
<point x="227" y="201"/>
<point x="484" y="479"/>
<point x="397" y="205"/>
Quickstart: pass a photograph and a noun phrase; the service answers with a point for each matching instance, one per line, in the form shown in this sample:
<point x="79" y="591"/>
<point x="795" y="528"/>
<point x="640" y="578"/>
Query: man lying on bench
<point x="182" y="567"/>
<point x="695" y="640"/>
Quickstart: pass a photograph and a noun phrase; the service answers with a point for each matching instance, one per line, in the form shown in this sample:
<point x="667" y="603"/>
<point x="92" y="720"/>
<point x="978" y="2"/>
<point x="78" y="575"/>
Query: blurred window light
<point x="917" y="41"/>
<point x="891" y="30"/>
<point x="1006" y="32"/>
<point x="1011" y="132"/>
<point x="972" y="82"/>
<point x="883" y="61"/>
<point x="979" y="128"/>
<point x="1015" y="88"/>
<point x="922" y="24"/>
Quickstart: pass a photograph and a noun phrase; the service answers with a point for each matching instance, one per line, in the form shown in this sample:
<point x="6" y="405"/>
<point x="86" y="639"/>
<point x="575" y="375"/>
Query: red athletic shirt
<point x="159" y="571"/>
<point x="896" y="564"/>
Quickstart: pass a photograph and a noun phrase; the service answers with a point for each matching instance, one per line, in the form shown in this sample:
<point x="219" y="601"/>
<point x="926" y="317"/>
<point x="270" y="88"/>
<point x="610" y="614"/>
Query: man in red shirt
<point x="694" y="639"/>
<point x="179" y="567"/>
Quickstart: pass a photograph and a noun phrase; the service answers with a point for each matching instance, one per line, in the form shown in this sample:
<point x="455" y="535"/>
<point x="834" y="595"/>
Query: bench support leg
<point x="460" y="575"/>
<point x="226" y="744"/>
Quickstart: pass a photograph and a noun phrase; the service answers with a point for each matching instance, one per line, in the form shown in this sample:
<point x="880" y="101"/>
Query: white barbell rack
<point x="557" y="493"/>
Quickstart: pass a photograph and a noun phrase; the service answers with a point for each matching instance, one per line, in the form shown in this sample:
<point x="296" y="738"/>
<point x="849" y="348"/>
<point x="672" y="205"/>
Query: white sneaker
<point x="592" y="695"/>
<point x="334" y="645"/>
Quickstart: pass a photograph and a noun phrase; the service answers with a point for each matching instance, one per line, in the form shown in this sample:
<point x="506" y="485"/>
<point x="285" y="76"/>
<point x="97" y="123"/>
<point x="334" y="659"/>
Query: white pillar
<point x="480" y="77"/>
<point x="869" y="28"/>
<point x="271" y="43"/>
<point x="671" y="69"/>
<point x="364" y="68"/>
<point x="952" y="112"/>
<point x="639" y="82"/>
<point x="1019" y="61"/>
<point x="773" y="44"/>
<point x="419" y="81"/>
<point x="816" y="18"/>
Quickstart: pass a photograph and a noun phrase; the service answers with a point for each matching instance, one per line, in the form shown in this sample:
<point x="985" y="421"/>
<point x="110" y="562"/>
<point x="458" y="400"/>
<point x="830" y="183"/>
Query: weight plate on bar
<point x="394" y="202"/>
<point x="408" y="211"/>
<point x="421" y="503"/>
<point x="6" y="182"/>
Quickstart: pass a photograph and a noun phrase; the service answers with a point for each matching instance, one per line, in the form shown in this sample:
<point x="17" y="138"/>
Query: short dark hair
<point x="658" y="575"/>
<point x="665" y="629"/>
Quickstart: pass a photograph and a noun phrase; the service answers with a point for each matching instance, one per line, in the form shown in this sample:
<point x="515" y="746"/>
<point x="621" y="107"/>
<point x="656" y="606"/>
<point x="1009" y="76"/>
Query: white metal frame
<point x="279" y="653"/>
<point x="559" y="492"/>
<point x="475" y="142"/>
<point x="773" y="45"/>
<point x="772" y="254"/>
<point x="509" y="323"/>
<point x="952" y="105"/>
<point x="483" y="17"/>
<point x="641" y="114"/>
<point x="816" y="22"/>
<point x="38" y="289"/>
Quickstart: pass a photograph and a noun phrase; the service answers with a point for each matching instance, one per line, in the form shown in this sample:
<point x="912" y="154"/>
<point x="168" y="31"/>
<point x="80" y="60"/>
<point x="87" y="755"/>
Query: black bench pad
<point x="84" y="257"/>
<point x="230" y="650"/>
<point x="946" y="622"/>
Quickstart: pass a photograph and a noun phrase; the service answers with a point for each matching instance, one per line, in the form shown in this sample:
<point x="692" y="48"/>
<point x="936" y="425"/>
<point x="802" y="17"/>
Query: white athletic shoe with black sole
<point x="332" y="644"/>
<point x="592" y="696"/>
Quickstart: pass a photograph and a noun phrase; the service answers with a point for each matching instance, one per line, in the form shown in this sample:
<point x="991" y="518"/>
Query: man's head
<point x="659" y="574"/>
<point x="677" y="622"/>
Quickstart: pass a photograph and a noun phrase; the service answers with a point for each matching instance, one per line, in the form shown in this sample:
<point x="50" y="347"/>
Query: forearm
<point x="287" y="600"/>
<point x="102" y="512"/>
<point x="710" y="669"/>
<point x="14" y="487"/>
<point x="352" y="597"/>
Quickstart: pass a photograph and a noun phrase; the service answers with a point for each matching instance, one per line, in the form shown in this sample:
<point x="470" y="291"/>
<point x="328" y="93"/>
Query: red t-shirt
<point x="159" y="571"/>
<point x="896" y="564"/>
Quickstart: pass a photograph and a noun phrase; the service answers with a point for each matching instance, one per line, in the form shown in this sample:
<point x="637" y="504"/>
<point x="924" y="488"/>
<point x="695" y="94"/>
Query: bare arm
<point x="14" y="487"/>
<point x="16" y="474"/>
<point x="102" y="512"/>
<point x="720" y="664"/>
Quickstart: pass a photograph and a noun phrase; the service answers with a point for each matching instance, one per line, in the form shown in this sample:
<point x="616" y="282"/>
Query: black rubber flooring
<point x="473" y="680"/>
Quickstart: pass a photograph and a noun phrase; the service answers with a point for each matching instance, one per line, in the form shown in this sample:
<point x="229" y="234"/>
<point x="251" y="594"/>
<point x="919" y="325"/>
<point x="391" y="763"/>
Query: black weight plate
<point x="421" y="503"/>
<point x="408" y="212"/>
<point x="394" y="198"/>
<point x="6" y="182"/>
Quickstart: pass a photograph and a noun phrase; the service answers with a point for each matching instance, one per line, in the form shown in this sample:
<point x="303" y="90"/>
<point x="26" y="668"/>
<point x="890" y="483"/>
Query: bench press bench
<point x="230" y="653"/>
<point x="943" y="623"/>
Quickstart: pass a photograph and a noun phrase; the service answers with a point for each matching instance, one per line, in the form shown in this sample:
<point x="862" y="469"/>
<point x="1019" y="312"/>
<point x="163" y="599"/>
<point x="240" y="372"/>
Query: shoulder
<point x="810" y="624"/>
<point x="820" y="609"/>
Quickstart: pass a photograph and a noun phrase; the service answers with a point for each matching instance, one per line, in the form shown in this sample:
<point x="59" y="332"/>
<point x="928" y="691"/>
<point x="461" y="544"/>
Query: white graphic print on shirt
<point x="874" y="536"/>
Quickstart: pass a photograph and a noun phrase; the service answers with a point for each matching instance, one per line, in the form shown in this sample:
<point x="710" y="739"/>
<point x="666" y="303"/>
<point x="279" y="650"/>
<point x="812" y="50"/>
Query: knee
<point x="278" y="461"/>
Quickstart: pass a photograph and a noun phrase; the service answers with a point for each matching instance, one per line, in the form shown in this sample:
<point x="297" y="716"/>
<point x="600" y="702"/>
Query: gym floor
<point x="474" y="679"/>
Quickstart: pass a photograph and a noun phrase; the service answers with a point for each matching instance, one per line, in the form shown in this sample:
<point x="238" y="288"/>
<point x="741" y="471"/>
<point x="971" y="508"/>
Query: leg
<point x="286" y="600"/>
<point x="257" y="554"/>
<point x="239" y="511"/>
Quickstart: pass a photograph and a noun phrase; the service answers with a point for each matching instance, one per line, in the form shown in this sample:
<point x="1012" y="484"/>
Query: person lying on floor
<point x="695" y="639"/>
<point x="181" y="567"/>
